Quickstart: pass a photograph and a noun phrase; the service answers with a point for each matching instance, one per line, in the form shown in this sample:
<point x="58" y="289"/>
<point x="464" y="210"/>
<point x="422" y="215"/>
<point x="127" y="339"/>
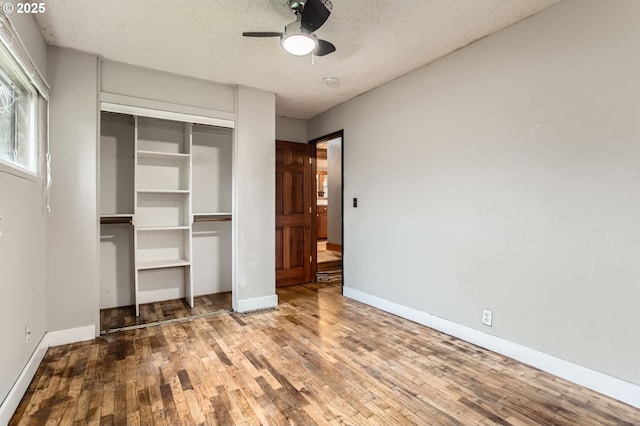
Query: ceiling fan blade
<point x="324" y="48"/>
<point x="315" y="14"/>
<point x="262" y="34"/>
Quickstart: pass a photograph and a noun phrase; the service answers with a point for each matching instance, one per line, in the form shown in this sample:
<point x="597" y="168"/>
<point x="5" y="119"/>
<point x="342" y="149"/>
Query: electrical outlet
<point x="487" y="317"/>
<point x="27" y="333"/>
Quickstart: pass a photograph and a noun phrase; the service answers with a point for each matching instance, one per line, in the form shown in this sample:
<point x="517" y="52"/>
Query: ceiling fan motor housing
<point x="296" y="6"/>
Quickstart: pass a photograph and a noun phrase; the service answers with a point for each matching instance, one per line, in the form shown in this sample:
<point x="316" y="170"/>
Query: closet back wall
<point x="116" y="197"/>
<point x="211" y="156"/>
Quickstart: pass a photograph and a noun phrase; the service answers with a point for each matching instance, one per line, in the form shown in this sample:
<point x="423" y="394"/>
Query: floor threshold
<point x="167" y="321"/>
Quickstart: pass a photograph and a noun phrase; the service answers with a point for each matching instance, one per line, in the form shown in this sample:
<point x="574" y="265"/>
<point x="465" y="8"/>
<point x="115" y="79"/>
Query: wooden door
<point x="294" y="192"/>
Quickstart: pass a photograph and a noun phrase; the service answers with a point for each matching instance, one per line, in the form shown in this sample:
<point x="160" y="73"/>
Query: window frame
<point x="21" y="64"/>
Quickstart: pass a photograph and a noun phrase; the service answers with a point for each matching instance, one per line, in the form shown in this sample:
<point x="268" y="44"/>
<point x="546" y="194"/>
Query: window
<point x="22" y="115"/>
<point x="17" y="112"/>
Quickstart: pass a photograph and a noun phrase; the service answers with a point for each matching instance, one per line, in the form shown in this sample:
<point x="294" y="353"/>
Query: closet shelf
<point x="157" y="264"/>
<point x="163" y="191"/>
<point x="162" y="155"/>
<point x="212" y="217"/>
<point x="162" y="228"/>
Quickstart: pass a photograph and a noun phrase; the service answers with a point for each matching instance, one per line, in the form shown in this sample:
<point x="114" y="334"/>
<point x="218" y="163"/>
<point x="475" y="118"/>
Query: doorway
<point x="329" y="207"/>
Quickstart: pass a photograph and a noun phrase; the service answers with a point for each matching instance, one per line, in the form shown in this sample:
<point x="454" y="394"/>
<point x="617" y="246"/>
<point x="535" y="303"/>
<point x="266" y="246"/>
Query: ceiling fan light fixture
<point x="299" y="44"/>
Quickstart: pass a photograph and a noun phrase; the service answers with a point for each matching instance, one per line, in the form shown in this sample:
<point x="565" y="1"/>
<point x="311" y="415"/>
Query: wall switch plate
<point x="487" y="317"/>
<point x="355" y="202"/>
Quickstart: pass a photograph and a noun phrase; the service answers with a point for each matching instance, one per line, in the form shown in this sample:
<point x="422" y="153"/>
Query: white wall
<point x="72" y="225"/>
<point x="506" y="176"/>
<point x="334" y="219"/>
<point x="291" y="130"/>
<point x="22" y="248"/>
<point x="23" y="273"/>
<point x="254" y="213"/>
<point x="144" y="83"/>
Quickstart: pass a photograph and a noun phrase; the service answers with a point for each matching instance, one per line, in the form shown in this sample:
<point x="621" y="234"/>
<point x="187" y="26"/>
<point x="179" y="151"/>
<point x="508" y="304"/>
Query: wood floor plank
<point x="318" y="359"/>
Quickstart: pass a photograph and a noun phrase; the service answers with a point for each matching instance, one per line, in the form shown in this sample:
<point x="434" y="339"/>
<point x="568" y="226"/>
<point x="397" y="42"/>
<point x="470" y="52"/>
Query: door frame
<point x="314" y="225"/>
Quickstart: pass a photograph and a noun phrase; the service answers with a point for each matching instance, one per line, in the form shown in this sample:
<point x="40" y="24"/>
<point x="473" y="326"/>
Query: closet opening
<point x="165" y="220"/>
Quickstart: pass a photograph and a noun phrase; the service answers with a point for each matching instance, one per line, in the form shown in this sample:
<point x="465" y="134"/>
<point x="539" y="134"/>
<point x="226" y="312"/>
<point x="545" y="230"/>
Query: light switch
<point x="355" y="202"/>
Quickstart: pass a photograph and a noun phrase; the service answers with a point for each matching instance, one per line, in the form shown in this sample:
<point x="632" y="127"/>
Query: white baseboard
<point x="70" y="335"/>
<point x="19" y="388"/>
<point x="51" y="338"/>
<point x="265" y="302"/>
<point x="621" y="390"/>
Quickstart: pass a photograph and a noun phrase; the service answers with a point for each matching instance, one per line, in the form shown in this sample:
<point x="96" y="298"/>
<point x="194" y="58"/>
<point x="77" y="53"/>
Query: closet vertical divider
<point x="162" y="211"/>
<point x="188" y="277"/>
<point x="136" y="278"/>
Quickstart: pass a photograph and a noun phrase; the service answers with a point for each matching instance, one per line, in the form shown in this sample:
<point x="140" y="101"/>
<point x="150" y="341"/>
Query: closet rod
<point x="106" y="220"/>
<point x="211" y="218"/>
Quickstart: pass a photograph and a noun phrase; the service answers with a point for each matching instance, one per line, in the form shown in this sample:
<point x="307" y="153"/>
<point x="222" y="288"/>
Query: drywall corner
<point x="72" y="240"/>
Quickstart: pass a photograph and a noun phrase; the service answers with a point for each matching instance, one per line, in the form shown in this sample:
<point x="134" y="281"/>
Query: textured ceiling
<point x="376" y="40"/>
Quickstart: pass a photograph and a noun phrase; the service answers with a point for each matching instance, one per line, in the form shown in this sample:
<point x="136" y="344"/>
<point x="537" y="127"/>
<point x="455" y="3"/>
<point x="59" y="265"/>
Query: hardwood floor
<point x="318" y="359"/>
<point x="125" y="316"/>
<point x="329" y="264"/>
<point x="327" y="256"/>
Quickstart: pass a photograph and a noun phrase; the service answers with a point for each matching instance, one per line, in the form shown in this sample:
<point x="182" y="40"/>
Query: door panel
<point x="293" y="213"/>
<point x="296" y="247"/>
<point x="279" y="249"/>
<point x="297" y="193"/>
<point x="279" y="202"/>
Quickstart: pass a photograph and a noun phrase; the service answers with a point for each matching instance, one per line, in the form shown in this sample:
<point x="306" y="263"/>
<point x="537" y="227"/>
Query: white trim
<point x="70" y="335"/>
<point x="98" y="226"/>
<point x="8" y="35"/>
<point x="234" y="210"/>
<point x="613" y="387"/>
<point x="149" y="108"/>
<point x="19" y="388"/>
<point x="265" y="302"/>
<point x="18" y="171"/>
<point x="51" y="338"/>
